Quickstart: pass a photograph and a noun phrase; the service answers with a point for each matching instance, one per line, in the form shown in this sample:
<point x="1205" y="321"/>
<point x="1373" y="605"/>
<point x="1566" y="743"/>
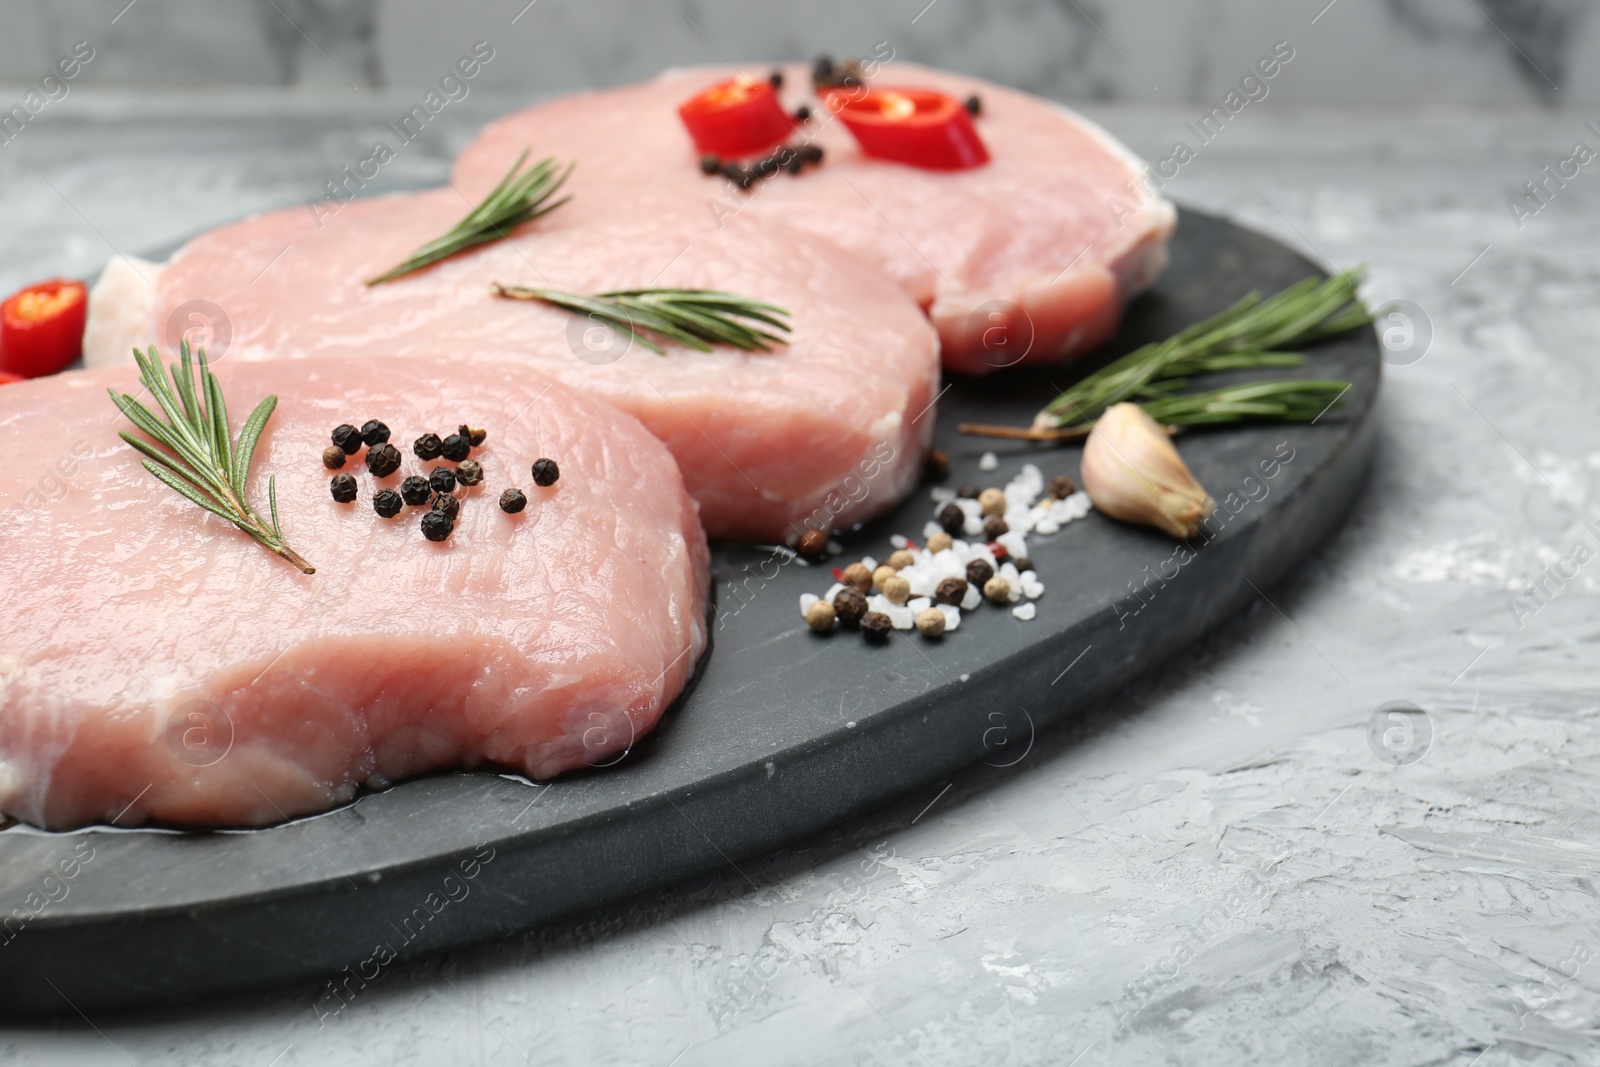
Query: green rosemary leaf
<point x="248" y="438"/>
<point x="1292" y="400"/>
<point x="519" y="198"/>
<point x="193" y="452"/>
<point x="694" y="318"/>
<point x="186" y="488"/>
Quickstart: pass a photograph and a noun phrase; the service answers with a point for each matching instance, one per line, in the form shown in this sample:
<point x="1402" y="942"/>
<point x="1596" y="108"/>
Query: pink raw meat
<point x="825" y="431"/>
<point x="168" y="668"/>
<point x="1026" y="259"/>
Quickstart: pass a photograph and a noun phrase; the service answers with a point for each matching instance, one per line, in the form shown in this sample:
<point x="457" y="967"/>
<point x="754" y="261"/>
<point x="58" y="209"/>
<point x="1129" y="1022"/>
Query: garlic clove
<point x="1133" y="473"/>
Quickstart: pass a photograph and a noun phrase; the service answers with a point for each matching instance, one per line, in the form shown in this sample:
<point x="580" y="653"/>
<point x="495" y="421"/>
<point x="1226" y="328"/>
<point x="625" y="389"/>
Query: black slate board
<point x="784" y="734"/>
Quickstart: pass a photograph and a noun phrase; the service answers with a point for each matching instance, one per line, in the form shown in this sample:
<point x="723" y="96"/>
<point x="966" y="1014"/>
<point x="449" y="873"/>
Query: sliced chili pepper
<point x="6" y="378"/>
<point x="736" y="118"/>
<point x="919" y="127"/>
<point x="41" y="327"/>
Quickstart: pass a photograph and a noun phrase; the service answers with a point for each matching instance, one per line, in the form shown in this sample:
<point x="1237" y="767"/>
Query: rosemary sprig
<point x="201" y="460"/>
<point x="1247" y="335"/>
<point x="1294" y="400"/>
<point x="694" y="318"/>
<point x="517" y="199"/>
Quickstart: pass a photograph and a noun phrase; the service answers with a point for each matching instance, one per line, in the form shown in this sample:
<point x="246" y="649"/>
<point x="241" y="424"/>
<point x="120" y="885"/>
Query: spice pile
<point x="437" y="491"/>
<point x="976" y="550"/>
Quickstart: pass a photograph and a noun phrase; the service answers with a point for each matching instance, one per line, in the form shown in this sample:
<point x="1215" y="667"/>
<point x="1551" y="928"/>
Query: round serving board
<point x="784" y="734"/>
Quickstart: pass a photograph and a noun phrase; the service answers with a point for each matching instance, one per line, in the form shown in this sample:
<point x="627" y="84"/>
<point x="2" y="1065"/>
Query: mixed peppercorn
<point x="435" y="490"/>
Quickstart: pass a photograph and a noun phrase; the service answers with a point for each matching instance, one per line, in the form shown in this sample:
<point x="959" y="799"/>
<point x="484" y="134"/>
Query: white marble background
<point x="1464" y="51"/>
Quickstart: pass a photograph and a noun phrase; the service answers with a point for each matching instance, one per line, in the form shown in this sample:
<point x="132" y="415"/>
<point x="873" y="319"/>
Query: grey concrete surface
<point x="1225" y="864"/>
<point x="1486" y="51"/>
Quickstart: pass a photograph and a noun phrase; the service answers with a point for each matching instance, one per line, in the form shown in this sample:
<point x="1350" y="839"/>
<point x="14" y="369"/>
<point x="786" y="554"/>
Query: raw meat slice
<point x="168" y="668"/>
<point x="1027" y="259"/>
<point x="825" y="431"/>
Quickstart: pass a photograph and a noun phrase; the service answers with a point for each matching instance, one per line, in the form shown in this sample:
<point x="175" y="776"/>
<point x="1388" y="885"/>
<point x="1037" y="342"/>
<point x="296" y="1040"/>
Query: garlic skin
<point x="1133" y="473"/>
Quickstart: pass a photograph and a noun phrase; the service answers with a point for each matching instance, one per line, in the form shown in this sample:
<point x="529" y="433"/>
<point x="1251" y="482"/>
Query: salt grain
<point x="988" y="462"/>
<point x="806" y="600"/>
<point x="1025" y="612"/>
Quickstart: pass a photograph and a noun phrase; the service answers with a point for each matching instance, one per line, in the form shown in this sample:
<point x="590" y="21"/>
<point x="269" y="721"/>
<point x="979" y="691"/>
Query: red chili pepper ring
<point x="920" y="127"/>
<point x="736" y="118"/>
<point x="41" y="328"/>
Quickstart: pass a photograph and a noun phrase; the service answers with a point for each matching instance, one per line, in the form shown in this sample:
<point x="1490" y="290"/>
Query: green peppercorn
<point x="386" y="502"/>
<point x="436" y="525"/>
<point x="343" y="487"/>
<point x="333" y="457"/>
<point x="979" y="571"/>
<point x="415" y="490"/>
<point x="951" y="518"/>
<point x="383" y="460"/>
<point x="348" y="438"/>
<point x="428" y="446"/>
<point x="374" y="432"/>
<point x="470" y="472"/>
<point x="442" y="479"/>
<point x="456" y="447"/>
<point x="450" y="505"/>
<point x="545" y="472"/>
<point x="512" y="501"/>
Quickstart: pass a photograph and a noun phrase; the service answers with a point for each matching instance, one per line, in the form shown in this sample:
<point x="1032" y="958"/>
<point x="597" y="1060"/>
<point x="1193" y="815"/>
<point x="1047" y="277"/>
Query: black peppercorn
<point x="456" y="447"/>
<point x="415" y="490"/>
<point x="343" y="487"/>
<point x="512" y="501"/>
<point x="448" y="504"/>
<point x="802" y="113"/>
<point x="1022" y="563"/>
<point x="875" y="626"/>
<point x="812" y="546"/>
<point x="974" y="105"/>
<point x="386" y="502"/>
<point x="795" y="165"/>
<point x="333" y="457"/>
<point x="765" y="167"/>
<point x="969" y="490"/>
<point x="952" y="518"/>
<point x="477" y="436"/>
<point x="776" y="78"/>
<point x="348" y="438"/>
<point x="822" y="68"/>
<point x="442" y="479"/>
<point x="470" y="472"/>
<point x="1062" y="487"/>
<point x="374" y="432"/>
<point x="545" y="472"/>
<point x="733" y="171"/>
<point x="936" y="465"/>
<point x="710" y="164"/>
<point x="951" y="591"/>
<point x="993" y="527"/>
<point x="436" y="525"/>
<point x="383" y="460"/>
<point x="979" y="571"/>
<point x="811" y="153"/>
<point x="428" y="446"/>
<point x="849" y="605"/>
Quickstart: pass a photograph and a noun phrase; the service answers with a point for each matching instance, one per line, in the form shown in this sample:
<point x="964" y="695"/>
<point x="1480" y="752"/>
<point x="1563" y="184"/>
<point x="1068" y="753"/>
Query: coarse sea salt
<point x="806" y="600"/>
<point x="988" y="462"/>
<point x="1025" y="612"/>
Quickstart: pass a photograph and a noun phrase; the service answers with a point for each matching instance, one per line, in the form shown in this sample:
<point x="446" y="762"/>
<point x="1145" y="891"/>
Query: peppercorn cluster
<point x="437" y="489"/>
<point x="792" y="159"/>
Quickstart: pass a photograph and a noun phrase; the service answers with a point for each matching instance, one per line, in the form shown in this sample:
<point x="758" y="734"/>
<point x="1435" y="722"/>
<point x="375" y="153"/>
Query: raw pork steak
<point x="825" y="431"/>
<point x="168" y="668"/>
<point x="1026" y="259"/>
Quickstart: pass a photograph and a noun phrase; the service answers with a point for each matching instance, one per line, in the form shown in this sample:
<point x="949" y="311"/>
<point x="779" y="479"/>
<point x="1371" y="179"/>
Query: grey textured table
<point x="1217" y="867"/>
